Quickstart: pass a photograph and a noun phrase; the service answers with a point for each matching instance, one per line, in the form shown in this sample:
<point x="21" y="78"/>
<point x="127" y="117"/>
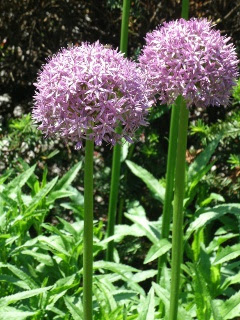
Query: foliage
<point x="41" y="260"/>
<point x="211" y="246"/>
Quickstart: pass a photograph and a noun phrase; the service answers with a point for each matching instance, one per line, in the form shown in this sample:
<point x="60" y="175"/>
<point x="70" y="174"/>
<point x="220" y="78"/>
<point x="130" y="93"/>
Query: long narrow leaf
<point x="152" y="183"/>
<point x="40" y="196"/>
<point x="201" y="161"/>
<point x="22" y="295"/>
<point x="10" y="313"/>
<point x="67" y="179"/>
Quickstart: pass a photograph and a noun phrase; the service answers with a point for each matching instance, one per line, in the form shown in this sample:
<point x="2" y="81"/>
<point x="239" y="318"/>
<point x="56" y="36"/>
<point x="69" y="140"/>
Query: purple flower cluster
<point x="86" y="92"/>
<point x="191" y="59"/>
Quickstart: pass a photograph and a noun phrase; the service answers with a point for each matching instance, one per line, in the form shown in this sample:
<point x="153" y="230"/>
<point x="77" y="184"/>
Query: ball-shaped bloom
<point x="86" y="92"/>
<point x="191" y="59"/>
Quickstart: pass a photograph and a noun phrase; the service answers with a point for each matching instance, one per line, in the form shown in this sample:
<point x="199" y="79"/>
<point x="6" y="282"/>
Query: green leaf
<point x="124" y="271"/>
<point x="52" y="154"/>
<point x="40" y="196"/>
<point x="114" y="267"/>
<point x="231" y="308"/>
<point x="124" y="150"/>
<point x="202" y="159"/>
<point x="107" y="299"/>
<point x="9" y="313"/>
<point x="157" y="250"/>
<point x="165" y="297"/>
<point x="55" y="244"/>
<point x="40" y="257"/>
<point x="22" y="295"/>
<point x="69" y="228"/>
<point x="150" y="231"/>
<point x="124" y="295"/>
<point x="207" y="215"/>
<point x="21" y="275"/>
<point x="202" y="296"/>
<point x="58" y="195"/>
<point x="213" y="196"/>
<point x="19" y="181"/>
<point x="228" y="253"/>
<point x="67" y="179"/>
<point x="5" y="175"/>
<point x="197" y="177"/>
<point x="152" y="183"/>
<point x="14" y="281"/>
<point x="143" y="275"/>
<point x="75" y="311"/>
<point x="123" y="230"/>
<point x="147" y="310"/>
<point x="230" y="280"/>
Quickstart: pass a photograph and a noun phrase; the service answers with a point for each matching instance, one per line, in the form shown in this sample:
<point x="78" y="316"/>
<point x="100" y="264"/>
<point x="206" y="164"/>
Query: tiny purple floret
<point x="86" y="92"/>
<point x="191" y="59"/>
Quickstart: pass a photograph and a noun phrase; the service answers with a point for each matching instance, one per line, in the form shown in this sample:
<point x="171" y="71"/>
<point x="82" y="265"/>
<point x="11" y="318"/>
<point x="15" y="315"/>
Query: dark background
<point x="32" y="30"/>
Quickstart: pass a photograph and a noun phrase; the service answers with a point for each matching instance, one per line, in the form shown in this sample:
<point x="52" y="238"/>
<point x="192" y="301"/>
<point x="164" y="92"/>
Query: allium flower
<point x="87" y="91"/>
<point x="191" y="59"/>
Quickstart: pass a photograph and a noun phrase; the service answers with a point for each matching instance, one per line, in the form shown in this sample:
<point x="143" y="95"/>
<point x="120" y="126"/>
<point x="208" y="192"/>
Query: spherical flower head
<point x="191" y="59"/>
<point x="86" y="92"/>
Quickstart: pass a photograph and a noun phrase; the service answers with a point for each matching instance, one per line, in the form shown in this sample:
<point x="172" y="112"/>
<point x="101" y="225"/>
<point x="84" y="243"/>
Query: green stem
<point x="116" y="164"/>
<point x="177" y="237"/>
<point x="125" y="177"/>
<point x="185" y="9"/>
<point x="124" y="27"/>
<point x="88" y="231"/>
<point x="113" y="199"/>
<point x="171" y="163"/>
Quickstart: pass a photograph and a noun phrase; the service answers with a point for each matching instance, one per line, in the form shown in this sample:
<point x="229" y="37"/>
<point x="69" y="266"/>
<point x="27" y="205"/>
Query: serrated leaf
<point x="55" y="244"/>
<point x="207" y="215"/>
<point x="157" y="250"/>
<point x="10" y="313"/>
<point x="21" y="275"/>
<point x="114" y="267"/>
<point x="40" y="257"/>
<point x="14" y="281"/>
<point x="22" y="295"/>
<point x="106" y="296"/>
<point x="165" y="297"/>
<point x="19" y="181"/>
<point x="147" y="310"/>
<point x="39" y="196"/>
<point x="228" y="253"/>
<point x="231" y="280"/>
<point x="230" y="309"/>
<point x="75" y="311"/>
<point x="202" y="296"/>
<point x="152" y="183"/>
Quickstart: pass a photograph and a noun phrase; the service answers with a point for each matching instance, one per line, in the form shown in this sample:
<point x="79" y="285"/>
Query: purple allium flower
<point x="191" y="59"/>
<point x="87" y="91"/>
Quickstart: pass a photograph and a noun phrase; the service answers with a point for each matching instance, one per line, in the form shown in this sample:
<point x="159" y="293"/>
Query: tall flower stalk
<point x="88" y="231"/>
<point x="84" y="94"/>
<point x="116" y="160"/>
<point x="171" y="164"/>
<point x="191" y="63"/>
<point x="177" y="232"/>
